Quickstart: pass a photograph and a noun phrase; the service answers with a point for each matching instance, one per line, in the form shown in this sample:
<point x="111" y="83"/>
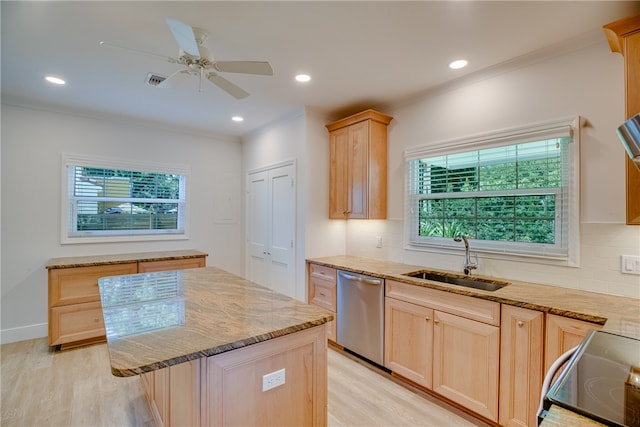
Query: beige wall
<point x="587" y="81"/>
<point x="32" y="145"/>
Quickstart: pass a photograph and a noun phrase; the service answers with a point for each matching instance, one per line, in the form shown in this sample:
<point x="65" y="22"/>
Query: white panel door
<point x="257" y="230"/>
<point x="271" y="228"/>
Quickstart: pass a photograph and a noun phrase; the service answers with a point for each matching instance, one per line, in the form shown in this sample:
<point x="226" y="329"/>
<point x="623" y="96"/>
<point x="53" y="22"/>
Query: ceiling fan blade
<point x="245" y="67"/>
<point x="174" y="80"/>
<point x="183" y="34"/>
<point x="224" y="84"/>
<point x="138" y="51"/>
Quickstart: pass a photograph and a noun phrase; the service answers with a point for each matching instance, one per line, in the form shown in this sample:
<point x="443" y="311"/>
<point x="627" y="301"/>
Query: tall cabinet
<point x="358" y="166"/>
<point x="624" y="37"/>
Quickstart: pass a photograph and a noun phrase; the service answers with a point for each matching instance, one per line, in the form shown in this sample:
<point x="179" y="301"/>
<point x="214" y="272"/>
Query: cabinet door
<point x="408" y="347"/>
<point x="465" y="363"/>
<point x="521" y="364"/>
<point x="564" y="333"/>
<point x="358" y="173"/>
<point x="80" y="284"/>
<point x="76" y="322"/>
<point x="338" y="174"/>
<point x="322" y="292"/>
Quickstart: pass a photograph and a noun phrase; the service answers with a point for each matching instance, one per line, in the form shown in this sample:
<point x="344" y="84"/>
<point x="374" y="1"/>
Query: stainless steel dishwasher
<point x="361" y="315"/>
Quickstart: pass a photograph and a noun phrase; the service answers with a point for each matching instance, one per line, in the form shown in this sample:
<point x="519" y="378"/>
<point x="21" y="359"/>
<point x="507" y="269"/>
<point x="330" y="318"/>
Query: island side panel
<point x="233" y="394"/>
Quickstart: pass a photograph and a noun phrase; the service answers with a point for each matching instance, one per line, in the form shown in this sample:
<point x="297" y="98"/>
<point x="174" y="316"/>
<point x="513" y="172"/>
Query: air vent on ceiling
<point x="154" y="79"/>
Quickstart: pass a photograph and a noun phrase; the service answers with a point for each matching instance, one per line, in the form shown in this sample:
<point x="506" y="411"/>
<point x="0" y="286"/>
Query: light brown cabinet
<point x="408" y="349"/>
<point x="521" y="365"/>
<point x="464" y="356"/>
<point x="322" y="282"/>
<point x="75" y="313"/>
<point x="624" y="37"/>
<point x="228" y="389"/>
<point x="358" y="166"/>
<point x="562" y="334"/>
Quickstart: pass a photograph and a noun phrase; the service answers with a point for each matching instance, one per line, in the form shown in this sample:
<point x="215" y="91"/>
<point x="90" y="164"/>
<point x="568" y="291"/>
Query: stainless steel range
<point x="602" y="380"/>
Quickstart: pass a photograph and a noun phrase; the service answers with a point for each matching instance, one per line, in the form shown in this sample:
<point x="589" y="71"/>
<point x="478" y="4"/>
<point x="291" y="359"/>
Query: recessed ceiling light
<point x="54" y="80"/>
<point x="303" y="78"/>
<point x="237" y="119"/>
<point x="460" y="63"/>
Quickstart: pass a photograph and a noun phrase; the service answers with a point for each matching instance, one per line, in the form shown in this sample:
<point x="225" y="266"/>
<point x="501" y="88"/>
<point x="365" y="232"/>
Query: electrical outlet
<point x="378" y="241"/>
<point x="630" y="264"/>
<point x="273" y="380"/>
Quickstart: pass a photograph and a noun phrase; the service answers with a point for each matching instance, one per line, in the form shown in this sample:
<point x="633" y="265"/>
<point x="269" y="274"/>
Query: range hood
<point x="629" y="133"/>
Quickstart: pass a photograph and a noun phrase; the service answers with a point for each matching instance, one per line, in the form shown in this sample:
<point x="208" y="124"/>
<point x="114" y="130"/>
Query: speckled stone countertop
<point x="155" y="320"/>
<point x="619" y="315"/>
<point x="91" y="260"/>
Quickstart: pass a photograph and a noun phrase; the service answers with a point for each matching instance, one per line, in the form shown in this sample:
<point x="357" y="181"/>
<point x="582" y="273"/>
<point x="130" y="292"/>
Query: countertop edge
<point x="96" y="260"/>
<point x="121" y="372"/>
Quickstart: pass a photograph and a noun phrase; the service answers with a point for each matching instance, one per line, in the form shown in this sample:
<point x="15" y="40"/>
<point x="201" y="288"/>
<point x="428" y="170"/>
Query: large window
<point x="110" y="200"/>
<point x="513" y="192"/>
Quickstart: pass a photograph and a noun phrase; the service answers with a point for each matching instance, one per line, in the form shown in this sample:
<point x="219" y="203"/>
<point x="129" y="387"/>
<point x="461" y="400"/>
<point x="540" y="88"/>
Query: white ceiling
<point x="360" y="54"/>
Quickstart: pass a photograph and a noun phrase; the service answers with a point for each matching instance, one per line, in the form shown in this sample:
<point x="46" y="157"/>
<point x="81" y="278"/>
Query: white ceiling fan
<point x="199" y="61"/>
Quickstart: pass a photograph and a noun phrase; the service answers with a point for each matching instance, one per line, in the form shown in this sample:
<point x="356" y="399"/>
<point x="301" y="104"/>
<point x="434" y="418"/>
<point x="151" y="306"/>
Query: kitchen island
<point x="214" y="349"/>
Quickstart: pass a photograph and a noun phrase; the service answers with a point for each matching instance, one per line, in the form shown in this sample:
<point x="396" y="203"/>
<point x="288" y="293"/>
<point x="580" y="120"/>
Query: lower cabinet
<point x="229" y="389"/>
<point x="173" y="394"/>
<point x="322" y="282"/>
<point x="75" y="312"/>
<point x="488" y="357"/>
<point x="409" y="340"/>
<point x="521" y="365"/>
<point x="465" y="363"/>
<point x="445" y="342"/>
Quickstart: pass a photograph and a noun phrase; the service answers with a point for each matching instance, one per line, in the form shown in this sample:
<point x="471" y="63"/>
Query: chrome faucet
<point x="468" y="264"/>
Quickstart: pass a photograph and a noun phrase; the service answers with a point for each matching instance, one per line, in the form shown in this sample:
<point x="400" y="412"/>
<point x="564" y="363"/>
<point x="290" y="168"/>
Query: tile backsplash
<point x="601" y="247"/>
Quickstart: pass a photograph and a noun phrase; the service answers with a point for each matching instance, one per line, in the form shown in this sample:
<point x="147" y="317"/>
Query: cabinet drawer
<point x="322" y="272"/>
<point x="75" y="322"/>
<point x="170" y="264"/>
<point x="460" y="305"/>
<point x="324" y="294"/>
<point x="80" y="284"/>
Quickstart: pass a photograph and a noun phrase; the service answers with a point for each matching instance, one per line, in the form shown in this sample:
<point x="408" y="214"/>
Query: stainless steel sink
<point x="466" y="281"/>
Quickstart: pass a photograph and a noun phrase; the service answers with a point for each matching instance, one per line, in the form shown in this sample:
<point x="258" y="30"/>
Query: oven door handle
<point x="550" y="374"/>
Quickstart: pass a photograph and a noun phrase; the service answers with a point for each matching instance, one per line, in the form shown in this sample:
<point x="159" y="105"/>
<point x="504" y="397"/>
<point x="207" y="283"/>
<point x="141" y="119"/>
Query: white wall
<point x="586" y="82"/>
<point x="283" y="140"/>
<point x="32" y="144"/>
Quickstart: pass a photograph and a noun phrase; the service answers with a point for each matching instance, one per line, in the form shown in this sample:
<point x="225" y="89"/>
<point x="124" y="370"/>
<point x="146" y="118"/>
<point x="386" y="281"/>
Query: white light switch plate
<point x="630" y="264"/>
<point x="273" y="380"/>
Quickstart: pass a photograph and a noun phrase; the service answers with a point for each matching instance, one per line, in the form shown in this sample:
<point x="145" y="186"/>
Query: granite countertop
<point x="92" y="260"/>
<point x="618" y="315"/>
<point x="155" y="320"/>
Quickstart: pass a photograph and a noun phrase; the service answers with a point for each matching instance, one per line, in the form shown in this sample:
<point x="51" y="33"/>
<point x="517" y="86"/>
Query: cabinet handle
<point x="321" y="294"/>
<point x="96" y="320"/>
<point x="520" y="323"/>
<point x="426" y="319"/>
<point x="436" y="321"/>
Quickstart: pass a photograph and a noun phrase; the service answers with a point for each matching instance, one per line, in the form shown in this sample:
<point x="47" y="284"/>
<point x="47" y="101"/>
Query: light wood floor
<point x="76" y="388"/>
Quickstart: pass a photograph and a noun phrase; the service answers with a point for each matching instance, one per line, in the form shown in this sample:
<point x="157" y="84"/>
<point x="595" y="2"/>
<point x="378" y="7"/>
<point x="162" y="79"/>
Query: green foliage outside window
<point x="502" y="194"/>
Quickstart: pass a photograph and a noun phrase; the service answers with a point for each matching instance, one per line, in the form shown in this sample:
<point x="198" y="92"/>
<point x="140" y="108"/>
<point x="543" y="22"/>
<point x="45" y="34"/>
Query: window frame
<point x="68" y="219"/>
<point x="563" y="127"/>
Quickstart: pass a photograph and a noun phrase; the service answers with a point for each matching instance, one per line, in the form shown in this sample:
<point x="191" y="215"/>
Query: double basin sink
<point x="465" y="281"/>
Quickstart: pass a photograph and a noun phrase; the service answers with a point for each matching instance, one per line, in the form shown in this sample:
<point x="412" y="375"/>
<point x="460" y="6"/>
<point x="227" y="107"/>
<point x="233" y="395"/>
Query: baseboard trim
<point x="23" y="333"/>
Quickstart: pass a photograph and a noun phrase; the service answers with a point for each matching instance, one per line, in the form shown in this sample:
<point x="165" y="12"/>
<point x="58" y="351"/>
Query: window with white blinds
<point x="110" y="200"/>
<point x="514" y="192"/>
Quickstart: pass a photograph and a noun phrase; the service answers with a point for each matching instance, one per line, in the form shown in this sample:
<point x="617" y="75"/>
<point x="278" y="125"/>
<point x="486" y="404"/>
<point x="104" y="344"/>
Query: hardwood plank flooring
<point x="75" y="387"/>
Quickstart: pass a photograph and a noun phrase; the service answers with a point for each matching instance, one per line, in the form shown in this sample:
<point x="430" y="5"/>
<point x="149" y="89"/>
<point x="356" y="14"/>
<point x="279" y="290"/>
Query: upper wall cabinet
<point x="358" y="166"/>
<point x="624" y="37"/>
